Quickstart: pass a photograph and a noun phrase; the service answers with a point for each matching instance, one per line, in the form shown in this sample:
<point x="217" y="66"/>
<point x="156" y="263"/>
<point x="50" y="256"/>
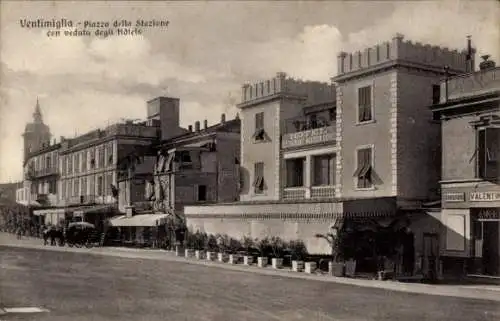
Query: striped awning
<point x="141" y="220"/>
<point x="91" y="209"/>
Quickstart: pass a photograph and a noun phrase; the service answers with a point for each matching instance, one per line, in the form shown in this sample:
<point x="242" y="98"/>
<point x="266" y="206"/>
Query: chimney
<point x="205" y="124"/>
<point x="486" y="64"/>
<point x="469" y="67"/>
<point x="197" y="126"/>
<point x="222" y="118"/>
<point x="62" y="138"/>
<point x="54" y="141"/>
<point x="237" y="116"/>
<point x="190" y="128"/>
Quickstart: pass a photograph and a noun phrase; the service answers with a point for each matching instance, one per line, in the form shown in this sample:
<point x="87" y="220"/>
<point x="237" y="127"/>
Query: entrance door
<point x="431" y="253"/>
<point x="491" y="260"/>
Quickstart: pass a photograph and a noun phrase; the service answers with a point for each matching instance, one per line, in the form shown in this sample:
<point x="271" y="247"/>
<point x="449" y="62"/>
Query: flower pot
<point x="211" y="256"/>
<point x="222" y="257"/>
<point x="189" y="253"/>
<point x="200" y="255"/>
<point x="248" y="260"/>
<point x="336" y="269"/>
<point x="310" y="267"/>
<point x="298" y="266"/>
<point x="261" y="261"/>
<point x="234" y="258"/>
<point x="179" y="250"/>
<point x="277" y="263"/>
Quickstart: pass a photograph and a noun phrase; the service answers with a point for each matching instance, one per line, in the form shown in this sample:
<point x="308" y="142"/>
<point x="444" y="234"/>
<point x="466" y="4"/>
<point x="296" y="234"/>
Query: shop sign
<point x="454" y="197"/>
<point x="489" y="214"/>
<point x="484" y="196"/>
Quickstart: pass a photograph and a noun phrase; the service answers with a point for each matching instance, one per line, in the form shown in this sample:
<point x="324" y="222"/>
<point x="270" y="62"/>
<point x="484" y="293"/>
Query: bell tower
<point x="36" y="134"/>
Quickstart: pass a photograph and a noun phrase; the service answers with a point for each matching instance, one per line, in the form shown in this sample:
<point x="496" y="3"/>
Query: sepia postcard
<point x="249" y="160"/>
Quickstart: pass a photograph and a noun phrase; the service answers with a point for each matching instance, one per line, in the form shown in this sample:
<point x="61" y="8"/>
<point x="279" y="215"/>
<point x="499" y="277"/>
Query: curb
<point x="425" y="289"/>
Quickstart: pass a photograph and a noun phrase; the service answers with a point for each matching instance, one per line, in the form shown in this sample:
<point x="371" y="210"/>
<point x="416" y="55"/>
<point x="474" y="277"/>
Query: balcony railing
<point x="479" y="82"/>
<point x="308" y="133"/>
<point x="45" y="172"/>
<point x="294" y="193"/>
<point x="322" y="191"/>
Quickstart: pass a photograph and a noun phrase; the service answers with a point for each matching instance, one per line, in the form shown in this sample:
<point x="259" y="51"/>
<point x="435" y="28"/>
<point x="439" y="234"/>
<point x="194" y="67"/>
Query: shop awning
<point x="140" y="220"/>
<point x="49" y="211"/>
<point x="80" y="211"/>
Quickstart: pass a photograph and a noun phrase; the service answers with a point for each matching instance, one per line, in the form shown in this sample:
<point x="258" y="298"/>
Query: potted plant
<point x="191" y="240"/>
<point x="223" y="247"/>
<point x="248" y="245"/>
<point x="277" y="246"/>
<point x="234" y="248"/>
<point x="263" y="248"/>
<point x="211" y="247"/>
<point x="336" y="266"/>
<point x="199" y="245"/>
<point x="299" y="251"/>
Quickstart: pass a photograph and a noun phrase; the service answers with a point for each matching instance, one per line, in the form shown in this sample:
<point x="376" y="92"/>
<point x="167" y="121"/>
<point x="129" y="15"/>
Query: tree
<point x="334" y="240"/>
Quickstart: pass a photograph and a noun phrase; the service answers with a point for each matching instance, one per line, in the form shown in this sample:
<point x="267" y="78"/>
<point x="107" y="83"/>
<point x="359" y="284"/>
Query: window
<point x="101" y="157"/>
<point x="76" y="187"/>
<point x="84" y="186"/>
<point x="48" y="162"/>
<point x="258" y="183"/>
<point x="52" y="187"/>
<point x="324" y="170"/>
<point x="109" y="182"/>
<point x="109" y="153"/>
<point x="295" y="172"/>
<point x="84" y="160"/>
<point x="202" y="192"/>
<point x="488" y="147"/>
<point x="63" y="190"/>
<point x="363" y="172"/>
<point x="70" y="164"/>
<point x="92" y="158"/>
<point x="77" y="162"/>
<point x="259" y="127"/>
<point x="436" y="94"/>
<point x="313" y="121"/>
<point x="99" y="186"/>
<point x="364" y="104"/>
<point x="333" y="114"/>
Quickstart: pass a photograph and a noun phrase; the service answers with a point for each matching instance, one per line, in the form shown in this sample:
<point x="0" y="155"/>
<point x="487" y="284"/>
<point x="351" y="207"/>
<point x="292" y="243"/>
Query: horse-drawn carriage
<point x="81" y="234"/>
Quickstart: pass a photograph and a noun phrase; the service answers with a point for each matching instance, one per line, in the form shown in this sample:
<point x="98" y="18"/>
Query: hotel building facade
<point x="364" y="151"/>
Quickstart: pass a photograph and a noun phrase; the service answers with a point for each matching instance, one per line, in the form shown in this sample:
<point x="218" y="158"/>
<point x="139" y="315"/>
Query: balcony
<point x="314" y="192"/>
<point x="45" y="172"/>
<point x="300" y="133"/>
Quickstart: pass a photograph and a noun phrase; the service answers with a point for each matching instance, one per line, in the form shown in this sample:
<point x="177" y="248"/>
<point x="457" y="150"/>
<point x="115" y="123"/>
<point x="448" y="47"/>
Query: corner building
<point x="470" y="117"/>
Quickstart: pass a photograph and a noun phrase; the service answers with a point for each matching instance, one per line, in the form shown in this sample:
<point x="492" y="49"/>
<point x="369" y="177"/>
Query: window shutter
<point x="481" y="153"/>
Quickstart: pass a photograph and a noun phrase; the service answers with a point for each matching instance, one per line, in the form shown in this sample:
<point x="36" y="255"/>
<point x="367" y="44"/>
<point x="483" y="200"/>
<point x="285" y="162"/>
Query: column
<point x="307" y="180"/>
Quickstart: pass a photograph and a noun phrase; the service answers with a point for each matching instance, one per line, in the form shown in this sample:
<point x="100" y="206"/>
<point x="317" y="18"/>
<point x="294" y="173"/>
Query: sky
<point x="208" y="50"/>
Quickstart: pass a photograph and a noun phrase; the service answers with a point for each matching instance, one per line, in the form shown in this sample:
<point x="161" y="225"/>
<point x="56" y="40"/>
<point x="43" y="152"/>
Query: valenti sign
<point x="484" y="196"/>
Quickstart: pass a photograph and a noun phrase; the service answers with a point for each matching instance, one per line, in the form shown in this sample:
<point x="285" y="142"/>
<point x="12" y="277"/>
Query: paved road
<point x="77" y="286"/>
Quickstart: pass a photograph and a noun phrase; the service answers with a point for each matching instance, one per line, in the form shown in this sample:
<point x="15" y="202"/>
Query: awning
<point x="80" y="211"/>
<point x="193" y="146"/>
<point x="49" y="211"/>
<point x="140" y="220"/>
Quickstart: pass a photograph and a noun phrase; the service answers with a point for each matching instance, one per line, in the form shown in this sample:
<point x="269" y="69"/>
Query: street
<point x="77" y="286"/>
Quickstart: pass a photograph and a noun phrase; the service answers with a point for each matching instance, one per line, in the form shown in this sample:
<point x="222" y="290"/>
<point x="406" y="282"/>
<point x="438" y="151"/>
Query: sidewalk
<point x="489" y="292"/>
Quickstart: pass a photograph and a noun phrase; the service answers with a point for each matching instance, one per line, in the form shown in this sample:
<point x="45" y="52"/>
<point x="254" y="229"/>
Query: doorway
<point x="491" y="240"/>
<point x="430" y="255"/>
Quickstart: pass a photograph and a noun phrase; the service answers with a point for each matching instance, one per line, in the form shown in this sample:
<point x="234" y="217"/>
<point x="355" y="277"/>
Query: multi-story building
<point x="198" y="167"/>
<point x="469" y="110"/>
<point x="40" y="161"/>
<point x="89" y="166"/>
<point x="373" y="160"/>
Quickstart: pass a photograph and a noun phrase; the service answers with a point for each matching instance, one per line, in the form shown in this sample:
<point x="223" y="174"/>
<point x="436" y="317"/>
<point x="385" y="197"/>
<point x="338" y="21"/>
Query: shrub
<point x="234" y="245"/>
<point x="223" y="243"/>
<point x="248" y="244"/>
<point x="211" y="243"/>
<point x="298" y="250"/>
<point x="277" y="246"/>
<point x="263" y="246"/>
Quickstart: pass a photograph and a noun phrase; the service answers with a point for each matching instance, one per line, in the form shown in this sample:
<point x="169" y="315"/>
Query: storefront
<point x="472" y="220"/>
